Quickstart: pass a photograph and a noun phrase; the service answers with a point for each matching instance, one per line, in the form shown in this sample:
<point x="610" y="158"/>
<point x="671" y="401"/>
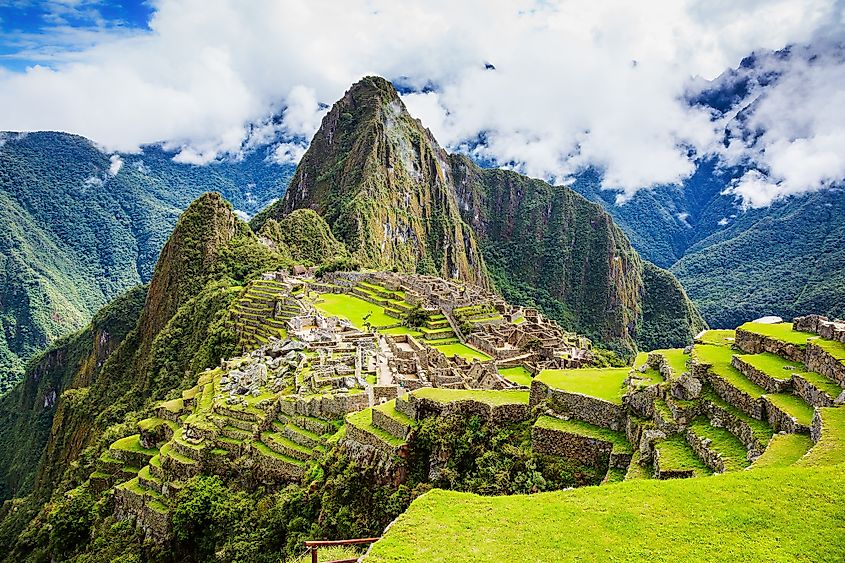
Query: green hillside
<point x="73" y="235"/>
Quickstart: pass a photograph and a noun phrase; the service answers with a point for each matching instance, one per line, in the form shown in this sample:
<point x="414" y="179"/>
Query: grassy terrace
<point x="830" y="449"/>
<point x="793" y="406"/>
<point x="620" y="443"/>
<point x="783" y="450"/>
<point x="354" y="309"/>
<point x="676" y="359"/>
<point x="719" y="358"/>
<point x="773" y="365"/>
<point x="363" y="420"/>
<point x="606" y="384"/>
<point x="466" y="352"/>
<point x="778" y="331"/>
<point x="677" y="455"/>
<point x="766" y="515"/>
<point x="832" y="347"/>
<point x="492" y="398"/>
<point x="733" y="452"/>
<point x="518" y="375"/>
<point x="132" y="444"/>
<point x="718" y="337"/>
<point x="389" y="408"/>
<point x="761" y="430"/>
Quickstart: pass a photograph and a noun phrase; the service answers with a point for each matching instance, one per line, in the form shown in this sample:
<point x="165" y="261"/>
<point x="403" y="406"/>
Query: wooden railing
<point x="313" y="546"/>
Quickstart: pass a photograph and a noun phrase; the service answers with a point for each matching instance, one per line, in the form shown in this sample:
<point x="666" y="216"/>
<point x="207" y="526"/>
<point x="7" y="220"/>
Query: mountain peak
<point x="384" y="186"/>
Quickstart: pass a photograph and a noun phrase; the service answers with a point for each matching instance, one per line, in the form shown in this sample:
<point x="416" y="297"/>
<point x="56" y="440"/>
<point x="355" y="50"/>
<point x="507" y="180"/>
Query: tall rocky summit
<point x="397" y="199"/>
<point x="385" y="187"/>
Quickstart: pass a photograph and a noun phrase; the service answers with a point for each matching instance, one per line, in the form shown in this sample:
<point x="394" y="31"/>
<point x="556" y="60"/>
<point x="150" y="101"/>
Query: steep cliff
<point x="384" y="186"/>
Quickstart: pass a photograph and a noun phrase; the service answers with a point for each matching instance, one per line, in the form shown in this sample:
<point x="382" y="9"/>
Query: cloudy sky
<point x="549" y="86"/>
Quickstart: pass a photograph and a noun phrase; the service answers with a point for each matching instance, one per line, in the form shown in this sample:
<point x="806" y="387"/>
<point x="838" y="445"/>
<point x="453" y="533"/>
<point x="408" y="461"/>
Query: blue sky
<point x="40" y="32"/>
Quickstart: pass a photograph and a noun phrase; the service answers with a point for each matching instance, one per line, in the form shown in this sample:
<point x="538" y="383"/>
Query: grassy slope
<point x="771" y="515"/>
<point x="466" y="352"/>
<point x="494" y="398"/>
<point x="353" y="309"/>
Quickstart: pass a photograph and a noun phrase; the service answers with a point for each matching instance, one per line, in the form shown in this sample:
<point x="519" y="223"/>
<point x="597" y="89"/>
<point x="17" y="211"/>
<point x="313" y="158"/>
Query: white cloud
<point x="116" y="163"/>
<point x="795" y="128"/>
<point x="288" y="153"/>
<point x="575" y="83"/>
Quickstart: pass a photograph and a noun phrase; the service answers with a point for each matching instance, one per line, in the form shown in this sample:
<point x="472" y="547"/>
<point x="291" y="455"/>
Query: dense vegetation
<point x="76" y="230"/>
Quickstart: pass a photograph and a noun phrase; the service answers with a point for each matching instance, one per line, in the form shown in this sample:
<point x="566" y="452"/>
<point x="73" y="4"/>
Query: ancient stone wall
<point x="586" y="451"/>
<point x="818" y="360"/>
<point x="701" y="447"/>
<point x="780" y="421"/>
<point x="761" y="378"/>
<point x="588" y="409"/>
<point x="752" y="343"/>
<point x="811" y="394"/>
<point x="736" y="426"/>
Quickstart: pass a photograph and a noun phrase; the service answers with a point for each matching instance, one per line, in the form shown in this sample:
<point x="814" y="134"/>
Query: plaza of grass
<point x="788" y="505"/>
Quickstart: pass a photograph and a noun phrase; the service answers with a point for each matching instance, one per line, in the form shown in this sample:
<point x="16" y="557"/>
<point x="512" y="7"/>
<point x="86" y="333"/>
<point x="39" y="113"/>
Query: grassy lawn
<point x="719" y="358"/>
<point x="719" y="337"/>
<point x="732" y="450"/>
<point x="779" y="331"/>
<point x="132" y="444"/>
<point x="606" y="384"/>
<point x="354" y="309"/>
<point x="832" y="347"/>
<point x="794" y="406"/>
<point x="389" y="408"/>
<point x="364" y="421"/>
<point x="677" y="455"/>
<point x="676" y="359"/>
<point x="401" y="330"/>
<point x="830" y="449"/>
<point x="519" y="375"/>
<point x="462" y="350"/>
<point x="773" y="365"/>
<point x="493" y="398"/>
<point x="618" y="439"/>
<point x="784" y="450"/>
<point x="766" y="515"/>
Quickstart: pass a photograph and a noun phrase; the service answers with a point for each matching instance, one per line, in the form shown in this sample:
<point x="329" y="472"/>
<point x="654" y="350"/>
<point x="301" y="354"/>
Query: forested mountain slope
<point x="79" y="226"/>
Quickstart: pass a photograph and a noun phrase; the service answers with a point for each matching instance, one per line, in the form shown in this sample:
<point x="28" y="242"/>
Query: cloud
<point x="572" y="84"/>
<point x="793" y="129"/>
<point x="116" y="163"/>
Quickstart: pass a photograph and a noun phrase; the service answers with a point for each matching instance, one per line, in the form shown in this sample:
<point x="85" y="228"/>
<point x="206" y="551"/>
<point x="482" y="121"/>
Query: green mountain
<point x="400" y="201"/>
<point x="78" y="227"/>
<point x="736" y="265"/>
<point x="385" y="187"/>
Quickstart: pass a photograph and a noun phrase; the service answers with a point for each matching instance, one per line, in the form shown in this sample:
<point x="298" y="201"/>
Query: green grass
<point x="783" y="450"/>
<point x="676" y="359"/>
<point x="779" y="331"/>
<point x="677" y="455"/>
<point x="151" y="423"/>
<point x="401" y="330"/>
<point x="519" y="375"/>
<point x="637" y="471"/>
<point x="719" y="358"/>
<point x="830" y="449"/>
<point x="168" y="450"/>
<point x="606" y="384"/>
<point x="761" y="430"/>
<point x="794" y="406"/>
<point x="733" y="452"/>
<point x="718" y="337"/>
<point x="331" y="553"/>
<point x="132" y="444"/>
<point x="618" y="439"/>
<point x="779" y="515"/>
<point x="489" y="397"/>
<point x="264" y="449"/>
<point x="832" y="347"/>
<point x="363" y="420"/>
<point x="354" y="309"/>
<point x="389" y="408"/>
<point x="773" y="365"/>
<point x="463" y="351"/>
<point x="640" y="359"/>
